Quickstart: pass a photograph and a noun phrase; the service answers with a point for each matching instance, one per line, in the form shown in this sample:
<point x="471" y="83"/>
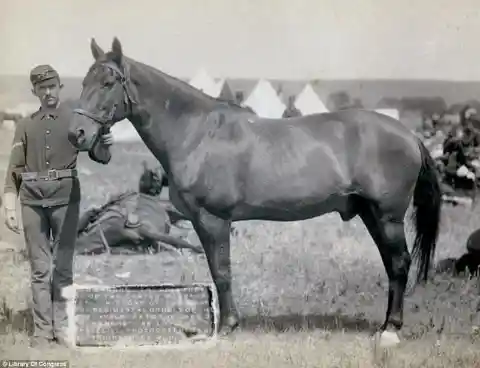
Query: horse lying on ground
<point x="133" y="222"/>
<point x="224" y="164"/>
<point x="468" y="263"/>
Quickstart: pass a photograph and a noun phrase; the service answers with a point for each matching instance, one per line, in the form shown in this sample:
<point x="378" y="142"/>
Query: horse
<point x="116" y="227"/>
<point x="224" y="164"/>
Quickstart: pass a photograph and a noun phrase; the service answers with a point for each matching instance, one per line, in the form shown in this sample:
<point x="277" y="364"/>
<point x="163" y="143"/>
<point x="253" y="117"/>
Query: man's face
<point x="48" y="92"/>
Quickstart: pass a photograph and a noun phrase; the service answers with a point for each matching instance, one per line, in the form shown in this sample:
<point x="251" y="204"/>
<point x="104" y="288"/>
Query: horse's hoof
<point x="230" y="324"/>
<point x="388" y="339"/>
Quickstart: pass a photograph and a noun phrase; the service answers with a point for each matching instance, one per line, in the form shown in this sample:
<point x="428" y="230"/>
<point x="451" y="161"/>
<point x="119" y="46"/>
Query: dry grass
<point x="310" y="294"/>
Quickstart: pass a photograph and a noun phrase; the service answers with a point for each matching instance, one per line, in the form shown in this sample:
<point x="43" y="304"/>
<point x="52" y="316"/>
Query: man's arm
<point x="16" y="163"/>
<point x="13" y="178"/>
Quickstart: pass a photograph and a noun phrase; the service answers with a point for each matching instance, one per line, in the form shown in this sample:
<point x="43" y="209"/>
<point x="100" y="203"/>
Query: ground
<point x="310" y="294"/>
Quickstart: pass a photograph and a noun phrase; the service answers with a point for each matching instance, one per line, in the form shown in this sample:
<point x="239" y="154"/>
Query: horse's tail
<point x="427" y="201"/>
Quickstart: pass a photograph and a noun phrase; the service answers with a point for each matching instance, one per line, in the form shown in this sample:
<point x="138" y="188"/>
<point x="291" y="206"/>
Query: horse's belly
<point x="294" y="198"/>
<point x="290" y="211"/>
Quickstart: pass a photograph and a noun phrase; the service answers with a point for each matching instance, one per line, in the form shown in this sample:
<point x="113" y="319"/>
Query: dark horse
<point x="222" y="168"/>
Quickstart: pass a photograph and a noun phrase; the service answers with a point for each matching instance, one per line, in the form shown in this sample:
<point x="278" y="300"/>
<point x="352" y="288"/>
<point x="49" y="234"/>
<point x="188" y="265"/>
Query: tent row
<point x="265" y="100"/>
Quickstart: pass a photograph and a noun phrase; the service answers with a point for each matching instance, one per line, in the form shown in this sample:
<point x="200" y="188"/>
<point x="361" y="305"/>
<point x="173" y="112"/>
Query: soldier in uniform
<point x="291" y="111"/>
<point x="42" y="172"/>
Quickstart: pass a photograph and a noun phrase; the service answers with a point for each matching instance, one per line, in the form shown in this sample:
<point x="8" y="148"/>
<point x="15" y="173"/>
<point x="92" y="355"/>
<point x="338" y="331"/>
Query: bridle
<point x="106" y="121"/>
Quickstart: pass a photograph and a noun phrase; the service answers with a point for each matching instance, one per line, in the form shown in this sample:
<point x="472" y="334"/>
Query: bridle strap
<point x="107" y="121"/>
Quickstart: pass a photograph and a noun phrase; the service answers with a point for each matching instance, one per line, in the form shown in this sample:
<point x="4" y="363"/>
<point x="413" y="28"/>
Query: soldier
<point x="291" y="111"/>
<point x="42" y="172"/>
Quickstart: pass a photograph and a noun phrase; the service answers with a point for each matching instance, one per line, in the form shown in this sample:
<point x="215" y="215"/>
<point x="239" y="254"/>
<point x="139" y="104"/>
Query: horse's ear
<point x="117" y="53"/>
<point x="97" y="51"/>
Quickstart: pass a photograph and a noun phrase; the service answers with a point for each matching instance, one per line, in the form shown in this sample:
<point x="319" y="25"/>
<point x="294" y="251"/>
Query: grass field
<point x="310" y="293"/>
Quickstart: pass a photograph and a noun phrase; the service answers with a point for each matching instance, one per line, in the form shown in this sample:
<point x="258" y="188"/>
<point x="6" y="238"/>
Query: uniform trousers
<point x="50" y="235"/>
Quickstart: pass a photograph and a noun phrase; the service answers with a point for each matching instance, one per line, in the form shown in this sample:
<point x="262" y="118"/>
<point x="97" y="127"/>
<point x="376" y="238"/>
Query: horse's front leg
<point x="214" y="233"/>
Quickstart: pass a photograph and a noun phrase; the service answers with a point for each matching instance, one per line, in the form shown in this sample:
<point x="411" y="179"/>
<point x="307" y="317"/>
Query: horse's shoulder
<point x="228" y="124"/>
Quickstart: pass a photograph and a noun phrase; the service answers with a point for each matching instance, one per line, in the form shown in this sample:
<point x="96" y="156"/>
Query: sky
<point x="295" y="39"/>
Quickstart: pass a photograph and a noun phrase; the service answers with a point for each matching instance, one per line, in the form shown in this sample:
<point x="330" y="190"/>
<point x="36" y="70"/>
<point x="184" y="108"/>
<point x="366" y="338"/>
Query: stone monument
<point x="141" y="299"/>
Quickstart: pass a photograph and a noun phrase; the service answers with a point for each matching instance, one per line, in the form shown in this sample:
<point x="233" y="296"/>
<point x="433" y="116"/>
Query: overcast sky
<point x="324" y="39"/>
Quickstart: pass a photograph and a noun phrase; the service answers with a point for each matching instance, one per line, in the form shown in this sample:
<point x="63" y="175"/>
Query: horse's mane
<point x="185" y="87"/>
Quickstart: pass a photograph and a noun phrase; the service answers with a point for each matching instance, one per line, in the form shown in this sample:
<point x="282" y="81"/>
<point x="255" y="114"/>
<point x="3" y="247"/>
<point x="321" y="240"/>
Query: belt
<point x="49" y="175"/>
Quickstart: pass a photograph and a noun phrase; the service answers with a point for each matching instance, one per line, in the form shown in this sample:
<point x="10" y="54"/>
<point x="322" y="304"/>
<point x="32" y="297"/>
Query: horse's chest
<point x="213" y="187"/>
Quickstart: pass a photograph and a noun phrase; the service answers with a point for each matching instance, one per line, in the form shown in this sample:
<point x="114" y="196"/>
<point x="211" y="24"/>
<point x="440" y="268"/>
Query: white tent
<point x="393" y="113"/>
<point x="308" y="101"/>
<point x="217" y="88"/>
<point x="123" y="131"/>
<point x="264" y="101"/>
<point x="204" y="83"/>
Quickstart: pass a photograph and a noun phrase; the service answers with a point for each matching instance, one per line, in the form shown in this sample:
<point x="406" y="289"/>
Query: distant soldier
<point x="42" y="172"/>
<point x="291" y="111"/>
<point x="470" y="123"/>
<point x="456" y="157"/>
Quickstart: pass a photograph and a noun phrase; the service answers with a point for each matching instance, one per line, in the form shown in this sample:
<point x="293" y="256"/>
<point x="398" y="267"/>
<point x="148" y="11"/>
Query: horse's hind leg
<point x="389" y="234"/>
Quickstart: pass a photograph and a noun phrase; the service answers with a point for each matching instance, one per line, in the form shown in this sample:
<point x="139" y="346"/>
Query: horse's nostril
<point x="80" y="133"/>
<point x="80" y="136"/>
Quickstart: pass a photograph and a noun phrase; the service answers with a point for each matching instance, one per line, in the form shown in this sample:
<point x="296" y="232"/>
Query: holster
<point x="99" y="152"/>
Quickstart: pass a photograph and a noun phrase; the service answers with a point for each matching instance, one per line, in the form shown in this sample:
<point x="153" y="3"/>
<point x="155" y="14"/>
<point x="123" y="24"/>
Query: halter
<point x="107" y="121"/>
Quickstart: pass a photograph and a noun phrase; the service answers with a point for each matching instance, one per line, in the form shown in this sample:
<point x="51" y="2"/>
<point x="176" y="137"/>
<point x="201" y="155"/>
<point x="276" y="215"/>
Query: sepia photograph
<point x="218" y="183"/>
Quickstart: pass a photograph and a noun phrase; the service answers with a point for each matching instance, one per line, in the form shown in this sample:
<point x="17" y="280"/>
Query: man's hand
<point x="11" y="220"/>
<point x="10" y="206"/>
<point x="107" y="139"/>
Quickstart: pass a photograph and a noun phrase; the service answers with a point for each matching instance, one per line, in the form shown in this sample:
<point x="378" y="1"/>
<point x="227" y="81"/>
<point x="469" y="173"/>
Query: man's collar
<point x="48" y="112"/>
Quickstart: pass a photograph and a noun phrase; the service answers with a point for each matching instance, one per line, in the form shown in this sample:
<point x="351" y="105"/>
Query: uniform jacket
<point x="40" y="144"/>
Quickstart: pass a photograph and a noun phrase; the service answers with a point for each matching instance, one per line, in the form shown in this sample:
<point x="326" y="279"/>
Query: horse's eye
<point x="107" y="84"/>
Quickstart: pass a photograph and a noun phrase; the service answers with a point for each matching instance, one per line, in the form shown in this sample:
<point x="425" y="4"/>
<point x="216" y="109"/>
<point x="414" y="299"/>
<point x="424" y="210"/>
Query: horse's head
<point x="152" y="181"/>
<point x="106" y="97"/>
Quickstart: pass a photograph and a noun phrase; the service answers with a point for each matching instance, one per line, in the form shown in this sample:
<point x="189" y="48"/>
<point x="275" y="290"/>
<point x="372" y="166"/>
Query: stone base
<point x="145" y="315"/>
<point x="108" y="310"/>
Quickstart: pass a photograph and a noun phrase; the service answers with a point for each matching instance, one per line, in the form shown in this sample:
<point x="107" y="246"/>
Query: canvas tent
<point x="394" y="113"/>
<point x="224" y="91"/>
<point x="123" y="131"/>
<point x="308" y="101"/>
<point x="204" y="82"/>
<point x="264" y="101"/>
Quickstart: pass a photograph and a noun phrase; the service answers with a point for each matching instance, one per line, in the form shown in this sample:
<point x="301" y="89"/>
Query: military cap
<point x="42" y="73"/>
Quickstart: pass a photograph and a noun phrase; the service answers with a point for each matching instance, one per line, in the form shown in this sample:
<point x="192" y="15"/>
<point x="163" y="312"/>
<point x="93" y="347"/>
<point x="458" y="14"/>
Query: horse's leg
<point x="214" y="233"/>
<point x="389" y="234"/>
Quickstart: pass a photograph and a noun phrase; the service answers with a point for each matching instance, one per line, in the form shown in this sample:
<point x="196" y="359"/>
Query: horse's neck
<point x="165" y="103"/>
<point x="150" y="207"/>
<point x="169" y="113"/>
<point x="149" y="200"/>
